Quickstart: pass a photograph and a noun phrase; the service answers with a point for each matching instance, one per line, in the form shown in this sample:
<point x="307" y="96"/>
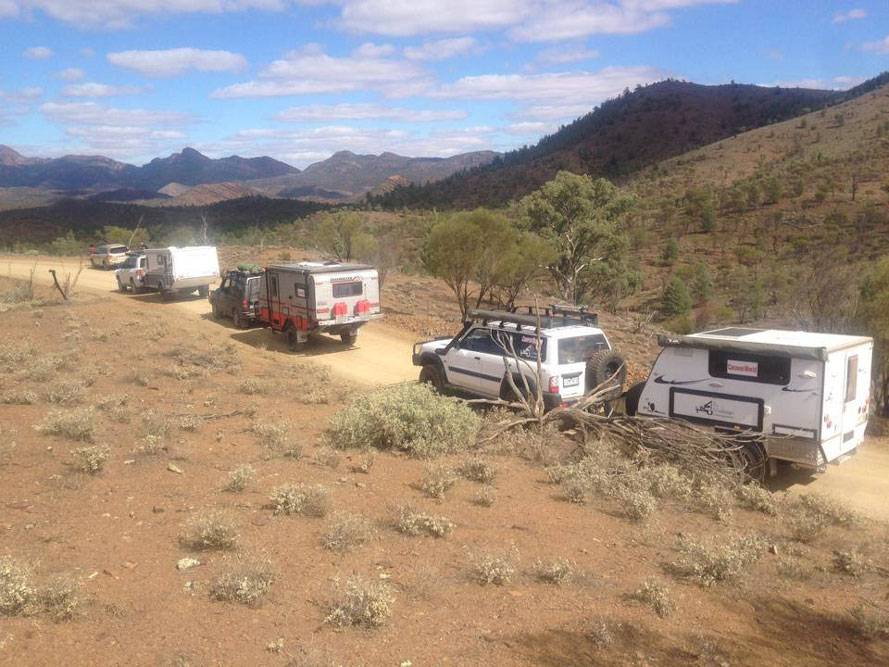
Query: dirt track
<point x="381" y="356"/>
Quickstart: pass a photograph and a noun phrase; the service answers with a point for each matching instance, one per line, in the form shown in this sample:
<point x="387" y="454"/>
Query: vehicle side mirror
<point x="441" y="351"/>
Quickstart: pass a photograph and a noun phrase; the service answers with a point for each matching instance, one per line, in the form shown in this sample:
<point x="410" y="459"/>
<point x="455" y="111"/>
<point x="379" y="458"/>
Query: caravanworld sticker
<point x="745" y="368"/>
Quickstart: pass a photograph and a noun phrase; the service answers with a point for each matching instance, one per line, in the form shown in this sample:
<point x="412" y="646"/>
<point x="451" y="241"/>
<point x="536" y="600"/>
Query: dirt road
<point x="381" y="356"/>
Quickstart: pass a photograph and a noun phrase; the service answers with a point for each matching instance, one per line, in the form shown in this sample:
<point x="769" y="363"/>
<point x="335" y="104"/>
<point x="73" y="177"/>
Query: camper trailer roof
<point x="321" y="267"/>
<point x="798" y="344"/>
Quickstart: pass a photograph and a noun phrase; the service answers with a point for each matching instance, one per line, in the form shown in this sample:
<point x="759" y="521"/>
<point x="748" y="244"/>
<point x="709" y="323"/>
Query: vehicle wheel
<point x="214" y="309"/>
<point x="134" y="288"/>
<point x="120" y="286"/>
<point x="602" y="366"/>
<point x="203" y="291"/>
<point x="349" y="337"/>
<point x="432" y="375"/>
<point x="753" y="455"/>
<point x="166" y="295"/>
<point x="507" y="393"/>
<point x="631" y="400"/>
<point x="293" y="340"/>
<point x="237" y="320"/>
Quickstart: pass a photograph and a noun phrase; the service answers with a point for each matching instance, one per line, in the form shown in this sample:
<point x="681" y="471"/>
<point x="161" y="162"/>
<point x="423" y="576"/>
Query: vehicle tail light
<point x="138" y="272"/>
<point x="554" y="382"/>
<point x="828" y="421"/>
<point x="244" y="304"/>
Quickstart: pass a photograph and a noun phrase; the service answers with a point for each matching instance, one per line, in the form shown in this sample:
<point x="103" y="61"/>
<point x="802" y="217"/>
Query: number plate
<point x="571" y="382"/>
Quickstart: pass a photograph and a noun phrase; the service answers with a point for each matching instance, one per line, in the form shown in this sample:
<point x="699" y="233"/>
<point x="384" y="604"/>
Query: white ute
<point x="791" y="395"/>
<point x="575" y="355"/>
<point x="181" y="270"/>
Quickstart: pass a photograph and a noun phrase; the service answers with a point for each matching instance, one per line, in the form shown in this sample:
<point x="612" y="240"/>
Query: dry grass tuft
<point x="412" y="523"/>
<point x="850" y="562"/>
<point x="347" y="531"/>
<point x="496" y="569"/>
<point x="327" y="456"/>
<point x="61" y="599"/>
<point x="360" y="603"/>
<point x="246" y="582"/>
<point x="485" y="497"/>
<point x="478" y="469"/>
<point x="810" y="515"/>
<point x="754" y="497"/>
<point x="656" y="595"/>
<point x="66" y="392"/>
<point x="275" y="438"/>
<point x="17" y="590"/>
<point x="438" y="479"/>
<point x="708" y="562"/>
<point x="19" y="397"/>
<point x="252" y="386"/>
<point x="237" y="478"/>
<point x="556" y="571"/>
<point x="301" y="499"/>
<point x="869" y="621"/>
<point x="91" y="459"/>
<point x="78" y="424"/>
<point x="210" y="531"/>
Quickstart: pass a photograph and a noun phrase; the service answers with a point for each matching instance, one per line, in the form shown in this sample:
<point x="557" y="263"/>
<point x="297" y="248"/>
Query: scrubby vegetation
<point x="210" y="531"/>
<point x="407" y="417"/>
<point x="360" y="603"/>
<point x="311" y="500"/>
<point x="413" y="523"/>
<point x="245" y="582"/>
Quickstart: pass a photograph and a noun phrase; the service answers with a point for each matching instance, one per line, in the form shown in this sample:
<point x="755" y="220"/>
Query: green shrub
<point x="407" y="417"/>
<point x="438" y="479"/>
<point x="675" y="300"/>
<point x="709" y="563"/>
<point x="91" y="459"/>
<point x="478" y="469"/>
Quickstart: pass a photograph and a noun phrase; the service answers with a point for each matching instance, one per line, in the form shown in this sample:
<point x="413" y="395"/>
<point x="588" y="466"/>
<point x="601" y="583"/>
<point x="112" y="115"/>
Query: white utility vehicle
<point x="181" y="270"/>
<point x="790" y="395"/>
<point x="306" y="298"/>
<point x="575" y="355"/>
<point x="131" y="274"/>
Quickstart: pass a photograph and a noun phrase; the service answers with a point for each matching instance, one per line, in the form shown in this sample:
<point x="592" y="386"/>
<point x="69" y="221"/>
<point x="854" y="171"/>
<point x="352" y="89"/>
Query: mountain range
<point x="170" y="180"/>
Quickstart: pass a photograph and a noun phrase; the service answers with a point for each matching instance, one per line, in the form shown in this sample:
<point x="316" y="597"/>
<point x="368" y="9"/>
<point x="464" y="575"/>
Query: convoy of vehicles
<point x="238" y="296"/>
<point x="178" y="271"/>
<point x="496" y="354"/>
<point x="108" y="255"/>
<point x="307" y="298"/>
<point x="793" y="396"/>
<point x="790" y="396"/>
<point x="131" y="274"/>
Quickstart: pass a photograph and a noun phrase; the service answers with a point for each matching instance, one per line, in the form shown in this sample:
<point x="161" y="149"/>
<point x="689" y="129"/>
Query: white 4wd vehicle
<point x="575" y="355"/>
<point x="131" y="273"/>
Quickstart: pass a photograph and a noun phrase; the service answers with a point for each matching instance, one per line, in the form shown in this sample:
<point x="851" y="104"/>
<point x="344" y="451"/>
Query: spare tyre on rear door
<point x="606" y="366"/>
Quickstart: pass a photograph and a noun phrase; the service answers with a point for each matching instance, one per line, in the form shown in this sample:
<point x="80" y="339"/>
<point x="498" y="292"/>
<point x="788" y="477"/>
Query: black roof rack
<point x="548" y="317"/>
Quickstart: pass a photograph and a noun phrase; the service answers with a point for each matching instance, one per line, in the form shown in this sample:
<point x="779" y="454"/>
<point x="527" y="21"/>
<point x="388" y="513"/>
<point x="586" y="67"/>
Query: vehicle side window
<point x="479" y="340"/>
<point x="851" y="378"/>
<point x="749" y="367"/>
<point x="273" y="285"/>
<point x="526" y="346"/>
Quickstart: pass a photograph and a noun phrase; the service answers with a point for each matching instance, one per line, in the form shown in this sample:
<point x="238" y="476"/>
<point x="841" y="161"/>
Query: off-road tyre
<point x="214" y="310"/>
<point x="431" y="374"/>
<point x="134" y="288"/>
<point x="237" y="320"/>
<point x="203" y="291"/>
<point x="293" y="340"/>
<point x="631" y="399"/>
<point x="755" y="459"/>
<point x="507" y="393"/>
<point x="120" y="286"/>
<point x="349" y="337"/>
<point x="602" y="366"/>
<point x="166" y="295"/>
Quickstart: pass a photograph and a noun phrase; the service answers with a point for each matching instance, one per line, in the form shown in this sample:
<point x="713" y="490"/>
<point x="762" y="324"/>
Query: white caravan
<point x="181" y="270"/>
<point x="799" y="397"/>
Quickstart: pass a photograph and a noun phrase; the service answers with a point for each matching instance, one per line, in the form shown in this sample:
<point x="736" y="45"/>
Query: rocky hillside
<point x="621" y="136"/>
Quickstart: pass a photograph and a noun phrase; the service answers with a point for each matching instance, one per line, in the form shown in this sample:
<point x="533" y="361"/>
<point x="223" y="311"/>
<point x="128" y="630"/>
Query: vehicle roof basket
<point x="549" y="317"/>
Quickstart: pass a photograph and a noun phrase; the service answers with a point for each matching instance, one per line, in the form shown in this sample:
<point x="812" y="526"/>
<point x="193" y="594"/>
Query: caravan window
<point x="273" y="285"/>
<point x="342" y="290"/>
<point x="851" y="378"/>
<point x="749" y="367"/>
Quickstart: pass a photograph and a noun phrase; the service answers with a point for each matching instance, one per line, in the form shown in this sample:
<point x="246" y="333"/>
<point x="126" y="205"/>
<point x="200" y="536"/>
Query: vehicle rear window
<point x="341" y="290"/>
<point x="749" y="367"/>
<point x="131" y="263"/>
<point x="580" y="348"/>
<point x="117" y="248"/>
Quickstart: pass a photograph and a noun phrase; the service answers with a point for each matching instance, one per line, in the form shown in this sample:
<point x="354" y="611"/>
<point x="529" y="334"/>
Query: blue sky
<point x="301" y="79"/>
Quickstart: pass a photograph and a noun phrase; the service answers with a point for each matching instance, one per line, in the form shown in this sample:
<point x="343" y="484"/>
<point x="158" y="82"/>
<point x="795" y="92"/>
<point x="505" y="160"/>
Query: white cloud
<point x="87" y="52"/>
<point x="851" y="15"/>
<point x="530" y="128"/>
<point x="116" y="14"/>
<point x="92" y="89"/>
<point x="880" y="47"/>
<point x="70" y="74"/>
<point x="172" y="62"/>
<point x="563" y="88"/>
<point x="320" y="113"/>
<point x="443" y="49"/>
<point x="38" y="53"/>
<point x="830" y="83"/>
<point x="561" y="55"/>
<point x="416" y="17"/>
<point x="774" y="54"/>
<point x="310" y="71"/>
<point x="22" y="96"/>
<point x="93" y="113"/>
<point x="371" y="50"/>
<point x="552" y="112"/>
